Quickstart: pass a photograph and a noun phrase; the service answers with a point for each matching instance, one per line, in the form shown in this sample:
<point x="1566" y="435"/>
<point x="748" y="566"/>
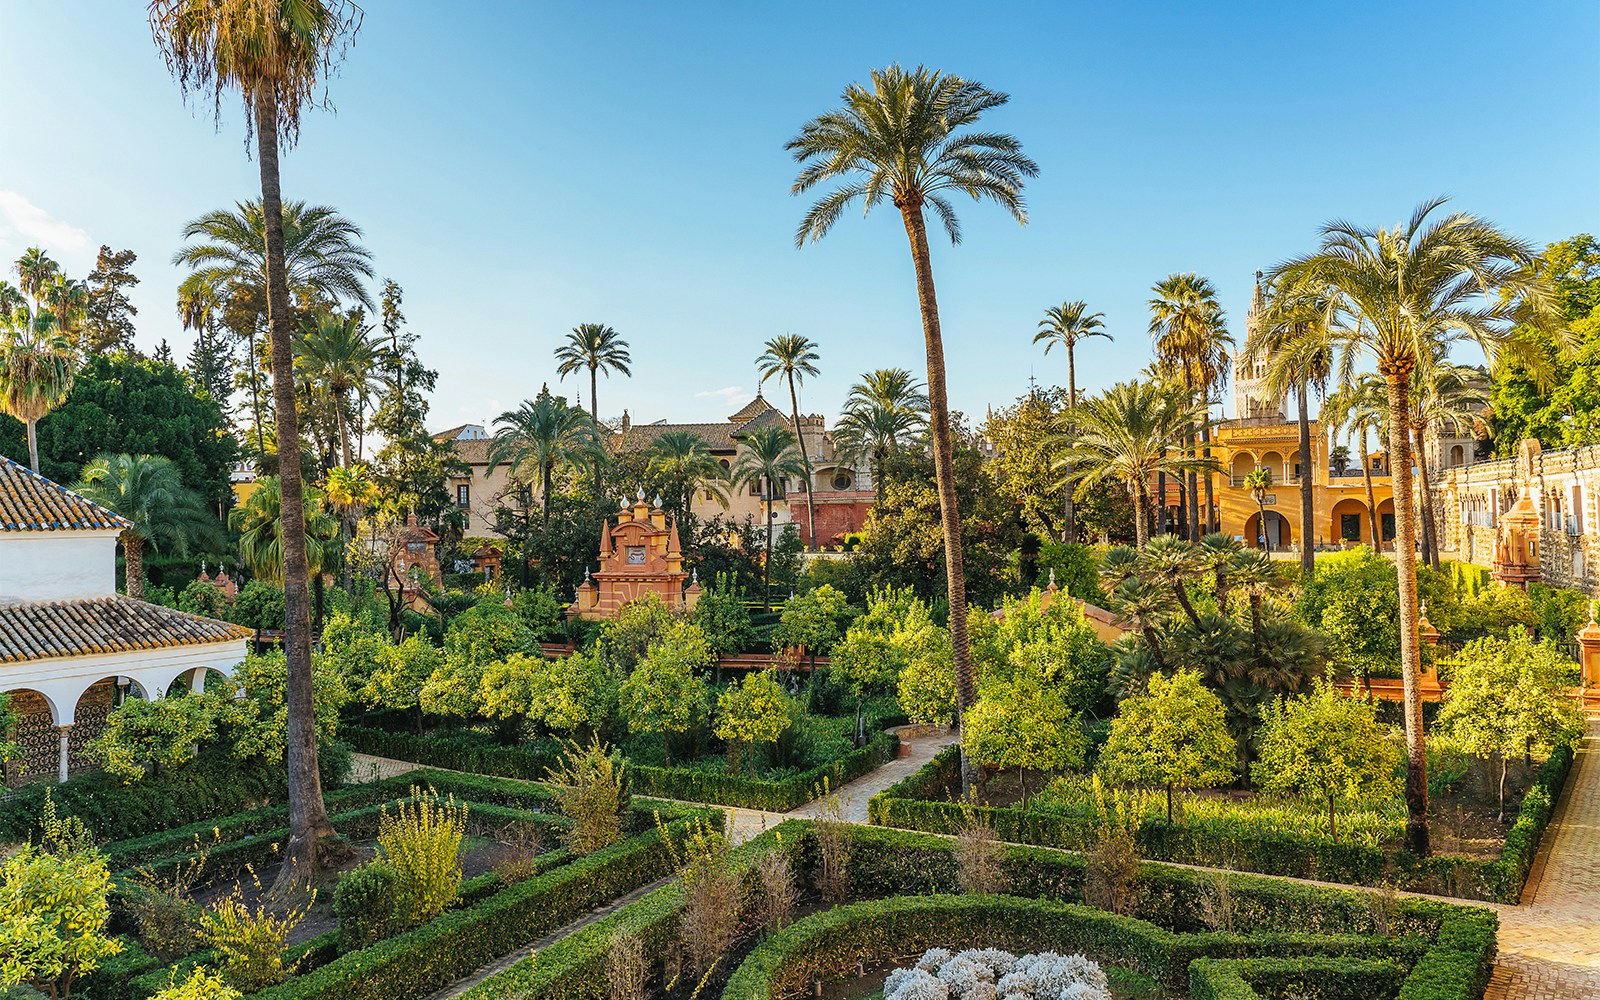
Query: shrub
<point x="53" y="912"/>
<point x="162" y="906"/>
<point x="517" y="852"/>
<point x="1327" y="747"/>
<point x="1174" y="734"/>
<point x="249" y="939"/>
<point x="710" y="919"/>
<point x="751" y="712"/>
<point x="1113" y="863"/>
<point x="627" y="969"/>
<point x="200" y="985"/>
<point x="776" y="891"/>
<point x="833" y="843"/>
<point x="978" y="854"/>
<point x="368" y="904"/>
<point x="664" y="693"/>
<point x="592" y="787"/>
<point x="421" y="841"/>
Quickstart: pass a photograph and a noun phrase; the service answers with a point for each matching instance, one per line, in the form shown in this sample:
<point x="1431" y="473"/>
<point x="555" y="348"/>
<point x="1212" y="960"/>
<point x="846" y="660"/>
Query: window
<point x="463" y="495"/>
<point x="1350" y="527"/>
<point x="841" y="481"/>
<point x="1388" y="527"/>
<point x="417" y="548"/>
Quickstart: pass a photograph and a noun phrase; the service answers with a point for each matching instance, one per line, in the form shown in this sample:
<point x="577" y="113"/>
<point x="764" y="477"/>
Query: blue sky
<point x="522" y="168"/>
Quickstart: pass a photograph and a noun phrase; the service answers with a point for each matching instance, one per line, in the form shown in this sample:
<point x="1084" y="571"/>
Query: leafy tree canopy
<point x="1327" y="747"/>
<point x="1176" y="734"/>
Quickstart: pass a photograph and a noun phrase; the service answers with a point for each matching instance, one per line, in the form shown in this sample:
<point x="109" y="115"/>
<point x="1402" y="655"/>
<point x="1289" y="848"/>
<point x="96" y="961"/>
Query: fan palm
<point x="1297" y="338"/>
<point x="540" y="436"/>
<point x="598" y="348"/>
<point x="884" y="412"/>
<point x="343" y="358"/>
<point x="68" y="301"/>
<point x="278" y="55"/>
<point x="1409" y="289"/>
<point x="904" y="137"/>
<point x="148" y="490"/>
<point x="1067" y="324"/>
<point x="1191" y="342"/>
<point x="1125" y="434"/>
<point x="323" y="254"/>
<point x="768" y="458"/>
<point x="793" y="357"/>
<point x="684" y="459"/>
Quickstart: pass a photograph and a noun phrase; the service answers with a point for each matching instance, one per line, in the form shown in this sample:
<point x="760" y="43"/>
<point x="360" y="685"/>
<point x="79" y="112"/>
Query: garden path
<point x="1550" y="944"/>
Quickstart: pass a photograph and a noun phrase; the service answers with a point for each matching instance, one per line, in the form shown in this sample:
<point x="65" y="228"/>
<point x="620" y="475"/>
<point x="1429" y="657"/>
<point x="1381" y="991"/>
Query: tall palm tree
<point x="351" y="491"/>
<point x="684" y="459"/>
<point x="35" y="271"/>
<point x="344" y="358"/>
<point x="768" y="458"/>
<point x="1125" y="434"/>
<point x="1067" y="324"/>
<point x="1408" y="288"/>
<point x="1258" y="482"/>
<point x="540" y="436"/>
<point x="148" y="490"/>
<point x="598" y="348"/>
<point x="262" y="528"/>
<point x="1297" y="337"/>
<point x="884" y="412"/>
<point x="1191" y="340"/>
<point x="793" y="357"/>
<point x="904" y="137"/>
<point x="68" y="301"/>
<point x="1358" y="408"/>
<point x="278" y="55"/>
<point x="36" y="362"/>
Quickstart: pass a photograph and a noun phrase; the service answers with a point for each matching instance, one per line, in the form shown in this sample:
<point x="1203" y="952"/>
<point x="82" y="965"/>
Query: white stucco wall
<point x="63" y="679"/>
<point x="57" y="565"/>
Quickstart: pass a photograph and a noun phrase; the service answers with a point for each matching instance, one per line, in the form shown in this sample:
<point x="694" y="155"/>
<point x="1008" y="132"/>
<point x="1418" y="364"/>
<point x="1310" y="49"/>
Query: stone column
<point x="1429" y="672"/>
<point x="1589" y="651"/>
<point x="66" y="751"/>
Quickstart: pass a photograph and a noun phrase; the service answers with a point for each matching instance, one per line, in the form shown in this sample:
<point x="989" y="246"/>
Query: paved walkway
<point x="1550" y="945"/>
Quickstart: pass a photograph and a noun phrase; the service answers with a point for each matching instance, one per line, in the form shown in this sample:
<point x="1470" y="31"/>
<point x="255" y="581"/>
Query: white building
<point x="71" y="647"/>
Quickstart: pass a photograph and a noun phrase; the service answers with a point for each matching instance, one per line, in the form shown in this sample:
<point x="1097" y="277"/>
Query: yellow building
<point x="1265" y="436"/>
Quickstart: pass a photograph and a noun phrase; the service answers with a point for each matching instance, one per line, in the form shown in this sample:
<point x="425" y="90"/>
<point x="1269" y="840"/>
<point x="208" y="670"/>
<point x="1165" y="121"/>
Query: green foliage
<point x="258" y="605"/>
<point x="258" y="722"/>
<point x="353" y="646"/>
<point x="123" y="403"/>
<point x="1076" y="569"/>
<point x="665" y="694"/>
<point x="753" y="711"/>
<point x="541" y="611"/>
<point x="1328" y="747"/>
<point x="249" y="940"/>
<point x="200" y="985"/>
<point x="1499" y="609"/>
<point x="203" y="599"/>
<point x="593" y="789"/>
<point x="1176" y="734"/>
<point x="1352" y="598"/>
<point x="1561" y="612"/>
<point x="421" y="841"/>
<point x="1023" y="723"/>
<point x="1026" y="440"/>
<point x="400" y="673"/>
<point x="641" y="624"/>
<point x="564" y="694"/>
<point x="53" y="913"/>
<point x="1508" y="697"/>
<point x="724" y="617"/>
<point x="9" y="749"/>
<point x="486" y="633"/>
<point x="814" y="620"/>
<point x="1053" y="645"/>
<point x="164" y="733"/>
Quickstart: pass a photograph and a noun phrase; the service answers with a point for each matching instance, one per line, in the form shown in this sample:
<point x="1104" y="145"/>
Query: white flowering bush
<point x="991" y="974"/>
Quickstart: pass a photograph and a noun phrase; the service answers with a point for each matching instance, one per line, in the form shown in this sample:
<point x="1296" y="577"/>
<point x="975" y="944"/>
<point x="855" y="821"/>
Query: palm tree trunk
<point x="33" y="445"/>
<point x="1397" y="378"/>
<point x="133" y="569"/>
<point x="339" y="403"/>
<point x="766" y="564"/>
<point x="805" y="462"/>
<point x="1069" y="533"/>
<point x="594" y="394"/>
<point x="1161" y="505"/>
<point x="1308" y="487"/>
<point x="308" y="814"/>
<point x="944" y="471"/>
<point x="1193" y="506"/>
<point x="1141" y="528"/>
<point x="1430" y="529"/>
<point x="1372" y="501"/>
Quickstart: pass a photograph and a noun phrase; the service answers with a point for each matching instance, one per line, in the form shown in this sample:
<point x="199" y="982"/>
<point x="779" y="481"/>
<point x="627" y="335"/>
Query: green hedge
<point x="911" y="805"/>
<point x="1310" y="978"/>
<point x="460" y="941"/>
<point x="689" y="785"/>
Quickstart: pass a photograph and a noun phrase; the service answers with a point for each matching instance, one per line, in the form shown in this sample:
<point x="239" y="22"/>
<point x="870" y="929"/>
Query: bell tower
<point x="1250" y="397"/>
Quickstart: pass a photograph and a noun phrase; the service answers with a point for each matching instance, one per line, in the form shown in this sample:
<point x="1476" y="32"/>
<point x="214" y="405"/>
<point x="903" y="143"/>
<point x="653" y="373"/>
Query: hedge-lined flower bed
<point x="909" y="805"/>
<point x="686" y="784"/>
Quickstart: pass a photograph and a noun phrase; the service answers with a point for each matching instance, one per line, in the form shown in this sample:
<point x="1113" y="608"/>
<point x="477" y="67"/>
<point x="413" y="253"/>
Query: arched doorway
<point x="1349" y="522"/>
<point x="1458" y="456"/>
<point x="1242" y="465"/>
<point x="1277" y="536"/>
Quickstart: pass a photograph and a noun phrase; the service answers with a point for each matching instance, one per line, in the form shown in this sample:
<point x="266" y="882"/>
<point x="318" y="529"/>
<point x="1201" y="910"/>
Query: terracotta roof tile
<point x="718" y="436"/>
<point x="37" y="630"/>
<point x="30" y="502"/>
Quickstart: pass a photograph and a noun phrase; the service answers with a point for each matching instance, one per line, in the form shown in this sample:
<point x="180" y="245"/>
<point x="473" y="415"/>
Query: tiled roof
<point x="752" y="409"/>
<point x="719" y="436"/>
<point x="37" y="630"/>
<point x="30" y="502"/>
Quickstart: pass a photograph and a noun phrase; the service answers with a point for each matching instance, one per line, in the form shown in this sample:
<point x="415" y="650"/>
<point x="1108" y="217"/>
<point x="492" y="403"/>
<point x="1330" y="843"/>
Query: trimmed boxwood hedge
<point x="686" y="784"/>
<point x="910" y="805"/>
<point x="1311" y="978"/>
